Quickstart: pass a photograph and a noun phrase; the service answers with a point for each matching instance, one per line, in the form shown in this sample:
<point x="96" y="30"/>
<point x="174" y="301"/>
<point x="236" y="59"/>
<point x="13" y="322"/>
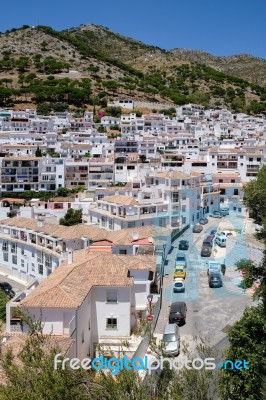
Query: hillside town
<point x="143" y="181"/>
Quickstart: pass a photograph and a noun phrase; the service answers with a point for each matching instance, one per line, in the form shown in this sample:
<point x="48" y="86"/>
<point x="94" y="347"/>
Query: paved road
<point x="210" y="311"/>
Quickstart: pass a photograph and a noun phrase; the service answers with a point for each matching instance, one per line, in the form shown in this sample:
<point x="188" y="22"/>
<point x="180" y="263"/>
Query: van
<point x="224" y="211"/>
<point x="221" y="241"/>
<point x="171" y="339"/>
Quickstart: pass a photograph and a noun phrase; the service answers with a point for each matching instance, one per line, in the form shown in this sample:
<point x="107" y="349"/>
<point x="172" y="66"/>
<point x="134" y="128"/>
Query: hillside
<point x="244" y="66"/>
<point x="90" y="65"/>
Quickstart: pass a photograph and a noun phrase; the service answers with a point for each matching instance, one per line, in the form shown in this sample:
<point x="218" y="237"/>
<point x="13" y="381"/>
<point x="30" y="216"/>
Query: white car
<point x="179" y="285"/>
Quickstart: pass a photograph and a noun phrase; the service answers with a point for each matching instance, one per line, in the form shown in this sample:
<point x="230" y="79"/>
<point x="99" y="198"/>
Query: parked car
<point x="207" y="242"/>
<point x="181" y="259"/>
<point x="213" y="233"/>
<point x="206" y="251"/>
<point x="216" y="214"/>
<point x="6" y="287"/>
<point x="203" y="221"/>
<point x="209" y="238"/>
<point x="213" y="267"/>
<point x="171" y="339"/>
<point x="221" y="240"/>
<point x="197" y="228"/>
<point x="183" y="245"/>
<point x="179" y="285"/>
<point x="180" y="272"/>
<point x="178" y="312"/>
<point x="224" y="211"/>
<point x="215" y="280"/>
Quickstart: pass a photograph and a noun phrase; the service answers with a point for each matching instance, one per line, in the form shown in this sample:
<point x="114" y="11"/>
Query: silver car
<point x="171" y="340"/>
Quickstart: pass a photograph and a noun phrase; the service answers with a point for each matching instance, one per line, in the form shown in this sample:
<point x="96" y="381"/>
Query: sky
<point x="220" y="27"/>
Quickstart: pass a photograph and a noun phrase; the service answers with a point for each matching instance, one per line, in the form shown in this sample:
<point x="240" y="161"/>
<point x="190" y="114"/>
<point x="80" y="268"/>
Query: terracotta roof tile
<point x="69" y="285"/>
<point x="120" y="199"/>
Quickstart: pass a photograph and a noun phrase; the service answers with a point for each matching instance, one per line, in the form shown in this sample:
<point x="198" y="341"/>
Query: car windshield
<point x="215" y="276"/>
<point x="179" y="270"/>
<point x="169" y="337"/>
<point x="180" y="259"/>
<point x="178" y="284"/>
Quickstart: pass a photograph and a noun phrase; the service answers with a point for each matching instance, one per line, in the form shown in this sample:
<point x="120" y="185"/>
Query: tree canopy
<point x="72" y="217"/>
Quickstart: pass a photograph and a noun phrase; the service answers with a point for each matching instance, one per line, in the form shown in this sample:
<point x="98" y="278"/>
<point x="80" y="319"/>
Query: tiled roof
<point x="59" y="231"/>
<point x="69" y="285"/>
<point x="170" y="174"/>
<point x="13" y="200"/>
<point x="120" y="199"/>
<point x="123" y="236"/>
<point x="61" y="199"/>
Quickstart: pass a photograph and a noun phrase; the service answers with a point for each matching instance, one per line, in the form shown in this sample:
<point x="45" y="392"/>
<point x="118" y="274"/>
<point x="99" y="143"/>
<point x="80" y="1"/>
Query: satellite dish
<point x="150" y="239"/>
<point x="135" y="235"/>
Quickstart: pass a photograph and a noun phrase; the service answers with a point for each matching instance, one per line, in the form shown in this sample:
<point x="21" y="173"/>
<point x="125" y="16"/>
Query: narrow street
<point x="209" y="311"/>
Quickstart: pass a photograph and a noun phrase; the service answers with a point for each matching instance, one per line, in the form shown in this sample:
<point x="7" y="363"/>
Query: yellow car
<point x="180" y="272"/>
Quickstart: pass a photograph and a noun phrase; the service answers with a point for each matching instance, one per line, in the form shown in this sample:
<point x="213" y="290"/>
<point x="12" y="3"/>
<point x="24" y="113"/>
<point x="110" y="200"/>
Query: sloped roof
<point x="68" y="285"/>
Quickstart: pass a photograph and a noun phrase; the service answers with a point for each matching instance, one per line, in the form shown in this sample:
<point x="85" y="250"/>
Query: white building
<point x="96" y="298"/>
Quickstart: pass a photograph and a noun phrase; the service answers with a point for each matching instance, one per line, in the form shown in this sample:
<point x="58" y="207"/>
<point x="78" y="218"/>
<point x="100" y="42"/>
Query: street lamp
<point x="149" y="298"/>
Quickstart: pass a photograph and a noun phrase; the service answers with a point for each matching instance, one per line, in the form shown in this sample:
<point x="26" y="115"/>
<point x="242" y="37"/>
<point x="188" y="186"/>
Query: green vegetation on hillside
<point x="108" y="64"/>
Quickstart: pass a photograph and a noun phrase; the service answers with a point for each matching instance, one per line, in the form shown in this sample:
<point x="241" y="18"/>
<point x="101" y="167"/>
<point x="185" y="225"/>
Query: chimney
<point x="40" y="221"/>
<point x="70" y="256"/>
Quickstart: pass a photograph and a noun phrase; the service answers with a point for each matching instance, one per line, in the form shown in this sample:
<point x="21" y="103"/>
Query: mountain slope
<point x="244" y="66"/>
<point x="36" y="64"/>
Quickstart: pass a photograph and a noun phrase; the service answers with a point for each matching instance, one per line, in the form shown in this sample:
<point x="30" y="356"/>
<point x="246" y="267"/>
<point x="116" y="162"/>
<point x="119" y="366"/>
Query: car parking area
<point x="210" y="311"/>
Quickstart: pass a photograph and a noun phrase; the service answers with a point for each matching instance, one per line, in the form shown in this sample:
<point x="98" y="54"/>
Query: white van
<point x="221" y="241"/>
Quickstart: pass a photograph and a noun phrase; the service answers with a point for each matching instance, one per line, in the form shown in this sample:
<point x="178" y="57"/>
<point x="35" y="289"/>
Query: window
<point x="14" y="259"/>
<point x="5" y="245"/>
<point x="235" y="192"/>
<point x="82" y="337"/>
<point x="250" y="159"/>
<point x="22" y="264"/>
<point x="40" y="269"/>
<point x="14" y="248"/>
<point x="111" y="323"/>
<point x="233" y="180"/>
<point x="220" y="180"/>
<point x="118" y="167"/>
<point x="5" y="257"/>
<point x="130" y="167"/>
<point x="40" y="257"/>
<point x="131" y="224"/>
<point x="33" y="267"/>
<point x="124" y="251"/>
<point x="59" y="176"/>
<point x="111" y="296"/>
